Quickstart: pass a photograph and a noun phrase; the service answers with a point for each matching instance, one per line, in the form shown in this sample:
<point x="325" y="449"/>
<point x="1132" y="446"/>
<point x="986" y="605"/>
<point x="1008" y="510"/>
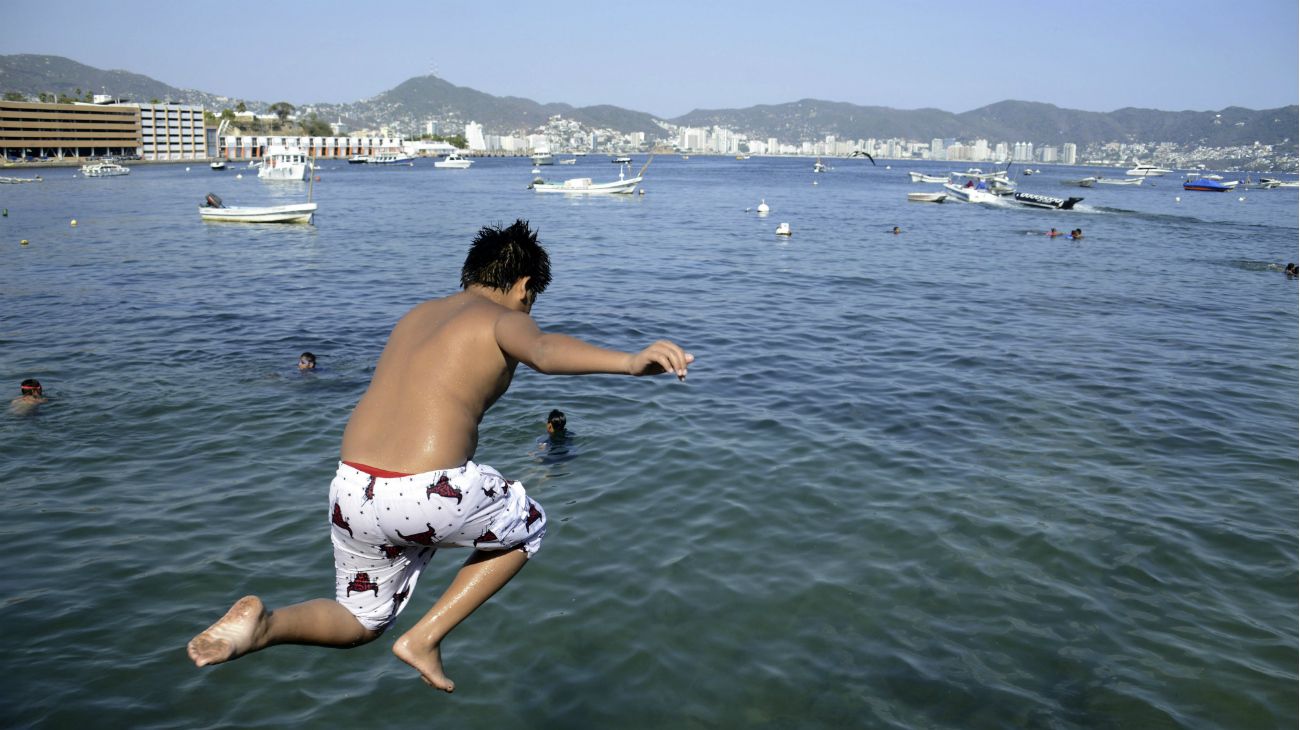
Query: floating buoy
<point x="74" y="222"/>
<point x="1242" y="199"/>
<point x="1177" y="199"/>
<point x="187" y="169"/>
<point x="814" y="182"/>
<point x="783" y="229"/>
<point x="24" y="242"/>
<point x="318" y="178"/>
<point x="6" y="213"/>
<point x="239" y="176"/>
<point x="763" y="207"/>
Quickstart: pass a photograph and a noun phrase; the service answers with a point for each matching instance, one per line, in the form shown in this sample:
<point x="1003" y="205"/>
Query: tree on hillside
<point x="227" y="115"/>
<point x="241" y="108"/>
<point x="282" y="109"/>
<point x="14" y="96"/>
<point x="314" y="126"/>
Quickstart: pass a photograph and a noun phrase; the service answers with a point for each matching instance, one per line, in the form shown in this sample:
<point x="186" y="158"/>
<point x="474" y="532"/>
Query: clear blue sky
<point x="669" y="57"/>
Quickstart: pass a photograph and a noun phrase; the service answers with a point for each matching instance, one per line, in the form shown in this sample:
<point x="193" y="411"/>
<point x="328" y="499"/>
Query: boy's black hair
<point x="501" y="256"/>
<point x="557" y="420"/>
<point x="28" y="385"/>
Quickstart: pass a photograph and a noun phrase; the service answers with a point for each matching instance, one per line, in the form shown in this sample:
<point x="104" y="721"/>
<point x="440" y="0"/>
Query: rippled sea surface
<point x="966" y="476"/>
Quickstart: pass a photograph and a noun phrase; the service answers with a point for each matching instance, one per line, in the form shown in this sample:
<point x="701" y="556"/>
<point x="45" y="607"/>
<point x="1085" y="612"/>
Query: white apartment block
<point x="172" y="132"/>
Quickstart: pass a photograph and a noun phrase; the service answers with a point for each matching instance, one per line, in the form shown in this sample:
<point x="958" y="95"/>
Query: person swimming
<point x="1054" y="233"/>
<point x="1076" y="234"/>
<point x="31" y="396"/>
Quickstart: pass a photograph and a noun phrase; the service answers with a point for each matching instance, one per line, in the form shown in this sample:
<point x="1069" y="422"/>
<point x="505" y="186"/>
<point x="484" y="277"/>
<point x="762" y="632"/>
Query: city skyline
<point x="1100" y="58"/>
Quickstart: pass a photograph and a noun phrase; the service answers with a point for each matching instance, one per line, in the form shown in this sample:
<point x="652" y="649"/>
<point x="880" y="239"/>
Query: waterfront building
<point x="56" y="131"/>
<point x="474" y="136"/>
<point x="172" y="132"/>
<point x="1069" y="153"/>
<point x="254" y="147"/>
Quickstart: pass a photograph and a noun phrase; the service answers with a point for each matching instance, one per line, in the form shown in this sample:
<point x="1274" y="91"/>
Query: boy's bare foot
<point x="427" y="662"/>
<point x="232" y="636"/>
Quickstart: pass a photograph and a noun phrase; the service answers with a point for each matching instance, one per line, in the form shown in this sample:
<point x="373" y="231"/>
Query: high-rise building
<point x="474" y="136"/>
<point x="1069" y="153"/>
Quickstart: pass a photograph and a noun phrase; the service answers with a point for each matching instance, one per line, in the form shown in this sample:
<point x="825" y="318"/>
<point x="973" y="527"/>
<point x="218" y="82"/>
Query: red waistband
<point x="372" y="471"/>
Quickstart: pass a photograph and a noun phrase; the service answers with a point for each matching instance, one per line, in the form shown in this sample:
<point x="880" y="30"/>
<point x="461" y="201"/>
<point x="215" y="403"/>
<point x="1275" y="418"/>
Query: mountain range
<point x="408" y="105"/>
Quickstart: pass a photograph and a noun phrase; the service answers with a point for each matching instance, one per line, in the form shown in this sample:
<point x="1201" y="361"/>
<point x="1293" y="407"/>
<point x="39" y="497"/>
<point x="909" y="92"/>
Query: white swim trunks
<point x="386" y="528"/>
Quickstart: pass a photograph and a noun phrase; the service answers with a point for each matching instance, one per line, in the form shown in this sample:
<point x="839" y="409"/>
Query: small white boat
<point x="542" y="157"/>
<point x="454" y="161"/>
<point x="18" y="180"/>
<point x="1120" y="180"/>
<point x="283" y="163"/>
<point x="104" y="169"/>
<point x="923" y="178"/>
<point x="621" y="160"/>
<point x="926" y="197"/>
<point x="391" y="158"/>
<point x="584" y="186"/>
<point x="1271" y="182"/>
<point x="213" y="210"/>
<point x="218" y="165"/>
<point x="570" y="161"/>
<point x="970" y="194"/>
<point x="1147" y="171"/>
<point x="358" y="159"/>
<point x="1086" y="182"/>
<point x="783" y="229"/>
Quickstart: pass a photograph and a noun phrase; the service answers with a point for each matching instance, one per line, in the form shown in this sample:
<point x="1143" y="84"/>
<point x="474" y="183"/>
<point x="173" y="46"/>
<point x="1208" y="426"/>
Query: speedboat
<point x="1210" y="186"/>
<point x="926" y="197"/>
<point x="283" y="163"/>
<point x="104" y="169"/>
<point x="972" y="194"/>
<point x="218" y="165"/>
<point x="1120" y="180"/>
<point x="1035" y="200"/>
<point x="1147" y="171"/>
<point x="358" y="159"/>
<point x="1086" y="182"/>
<point x="454" y="161"/>
<point x="922" y="177"/>
<point x="620" y="160"/>
<point x="570" y="161"/>
<point x="543" y="157"/>
<point x="214" y="210"/>
<point x="584" y="186"/>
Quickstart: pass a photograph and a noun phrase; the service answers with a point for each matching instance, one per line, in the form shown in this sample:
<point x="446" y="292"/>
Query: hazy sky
<point x="669" y="57"/>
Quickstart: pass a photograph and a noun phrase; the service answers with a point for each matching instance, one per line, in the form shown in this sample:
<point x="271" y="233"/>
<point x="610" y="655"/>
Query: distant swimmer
<point x="406" y="484"/>
<point x="32" y="395"/>
<point x="896" y="230"/>
<point x="306" y="361"/>
<point x="1054" y="233"/>
<point x="1292" y="271"/>
<point x="1076" y="234"/>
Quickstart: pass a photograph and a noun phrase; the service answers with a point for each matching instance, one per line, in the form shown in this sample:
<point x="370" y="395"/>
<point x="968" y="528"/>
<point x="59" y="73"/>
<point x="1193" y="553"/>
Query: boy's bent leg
<point x="248" y="627"/>
<point x="483" y="574"/>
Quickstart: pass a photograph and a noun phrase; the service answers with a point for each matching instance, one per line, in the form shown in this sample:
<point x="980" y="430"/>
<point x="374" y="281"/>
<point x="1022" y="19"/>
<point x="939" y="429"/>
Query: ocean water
<point x="965" y="476"/>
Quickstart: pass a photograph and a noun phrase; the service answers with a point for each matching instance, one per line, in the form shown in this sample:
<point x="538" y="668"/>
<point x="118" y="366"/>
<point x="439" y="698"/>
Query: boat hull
<point x="920" y="177"/>
<point x="1208" y="186"/>
<point x="927" y="197"/>
<point x="970" y="195"/>
<point x="299" y="213"/>
<point x="1046" y="201"/>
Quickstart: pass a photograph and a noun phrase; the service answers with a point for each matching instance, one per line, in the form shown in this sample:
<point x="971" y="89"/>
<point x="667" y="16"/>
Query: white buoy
<point x="74" y="223"/>
<point x="783" y="229"/>
<point x="1177" y="199"/>
<point x="1242" y="199"/>
<point x="763" y="207"/>
<point x="239" y="176"/>
<point x="187" y="169"/>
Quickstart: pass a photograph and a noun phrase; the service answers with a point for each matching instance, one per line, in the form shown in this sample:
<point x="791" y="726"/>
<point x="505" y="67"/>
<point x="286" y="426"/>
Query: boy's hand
<point x="661" y="357"/>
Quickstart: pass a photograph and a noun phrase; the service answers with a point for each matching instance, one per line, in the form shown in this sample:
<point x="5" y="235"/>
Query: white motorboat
<point x="391" y="158"/>
<point x="283" y="163"/>
<point x="218" y="165"/>
<point x="454" y="161"/>
<point x="1279" y="183"/>
<point x="104" y="169"/>
<point x="926" y="197"/>
<point x="977" y="175"/>
<point x="213" y="210"/>
<point x="923" y="178"/>
<point x="584" y="186"/>
<point x="970" y="194"/>
<point x="570" y="161"/>
<point x="1086" y="182"/>
<point x="542" y="157"/>
<point x="621" y="160"/>
<point x="1120" y="180"/>
<point x="358" y="159"/>
<point x="19" y="180"/>
<point x="1147" y="171"/>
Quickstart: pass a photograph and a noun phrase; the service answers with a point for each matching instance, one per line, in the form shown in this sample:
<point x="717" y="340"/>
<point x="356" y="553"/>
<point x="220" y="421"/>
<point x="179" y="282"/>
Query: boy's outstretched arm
<point x="554" y="354"/>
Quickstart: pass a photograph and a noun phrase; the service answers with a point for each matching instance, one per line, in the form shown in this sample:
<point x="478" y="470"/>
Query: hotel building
<point x="36" y="130"/>
<point x="173" y="132"/>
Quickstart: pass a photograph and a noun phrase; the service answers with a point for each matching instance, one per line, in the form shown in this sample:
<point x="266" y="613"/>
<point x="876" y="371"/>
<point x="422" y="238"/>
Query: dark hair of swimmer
<point x="306" y="361"/>
<point x="499" y="257"/>
<point x="31" y="386"/>
<point x="555" y="422"/>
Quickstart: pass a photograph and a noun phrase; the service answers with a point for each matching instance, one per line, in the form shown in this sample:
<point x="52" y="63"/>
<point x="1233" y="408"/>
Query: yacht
<point x="105" y="168"/>
<point x="283" y="163"/>
<point x="391" y="158"/>
<point x="1147" y="171"/>
<point x="455" y="162"/>
<point x="542" y="157"/>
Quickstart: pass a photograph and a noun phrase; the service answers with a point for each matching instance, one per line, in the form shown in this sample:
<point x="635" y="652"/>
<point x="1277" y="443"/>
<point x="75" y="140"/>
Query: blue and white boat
<point x="1209" y="185"/>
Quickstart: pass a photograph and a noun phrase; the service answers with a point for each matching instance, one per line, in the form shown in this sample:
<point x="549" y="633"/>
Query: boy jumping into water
<point x="406" y="484"/>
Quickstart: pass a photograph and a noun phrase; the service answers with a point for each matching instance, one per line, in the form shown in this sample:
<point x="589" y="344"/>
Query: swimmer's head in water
<point x="555" y="423"/>
<point x="306" y="361"/>
<point x="31" y="386"/>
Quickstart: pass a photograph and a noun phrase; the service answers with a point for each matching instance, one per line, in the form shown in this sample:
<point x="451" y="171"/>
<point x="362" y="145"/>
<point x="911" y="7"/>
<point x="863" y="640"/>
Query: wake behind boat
<point x="214" y="210"/>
